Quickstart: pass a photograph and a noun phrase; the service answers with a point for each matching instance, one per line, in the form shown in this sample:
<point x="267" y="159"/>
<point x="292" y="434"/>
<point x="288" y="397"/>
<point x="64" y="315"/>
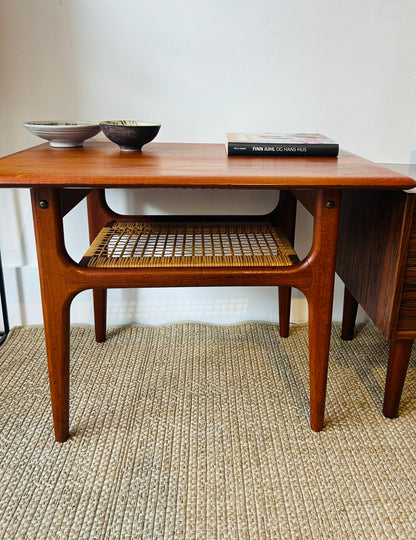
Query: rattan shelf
<point x="189" y="244"/>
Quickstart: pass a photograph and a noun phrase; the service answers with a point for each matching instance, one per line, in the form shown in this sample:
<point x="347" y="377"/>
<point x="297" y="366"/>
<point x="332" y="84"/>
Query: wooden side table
<point x="377" y="262"/>
<point x="60" y="178"/>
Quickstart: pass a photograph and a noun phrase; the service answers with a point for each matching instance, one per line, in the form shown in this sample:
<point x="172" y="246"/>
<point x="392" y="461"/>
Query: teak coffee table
<point x="156" y="251"/>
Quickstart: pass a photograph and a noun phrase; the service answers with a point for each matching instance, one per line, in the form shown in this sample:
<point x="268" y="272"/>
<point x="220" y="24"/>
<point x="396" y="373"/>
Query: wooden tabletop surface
<point x="101" y="164"/>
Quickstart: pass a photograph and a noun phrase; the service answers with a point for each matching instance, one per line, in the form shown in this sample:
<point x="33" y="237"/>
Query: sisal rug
<point x="197" y="431"/>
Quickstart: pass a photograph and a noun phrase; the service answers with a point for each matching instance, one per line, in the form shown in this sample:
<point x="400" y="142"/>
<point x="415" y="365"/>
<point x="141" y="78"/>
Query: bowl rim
<point x="61" y="124"/>
<point x="132" y="123"/>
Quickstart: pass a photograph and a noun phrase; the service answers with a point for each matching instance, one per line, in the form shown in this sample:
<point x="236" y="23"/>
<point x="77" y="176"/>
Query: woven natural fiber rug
<point x="196" y="431"/>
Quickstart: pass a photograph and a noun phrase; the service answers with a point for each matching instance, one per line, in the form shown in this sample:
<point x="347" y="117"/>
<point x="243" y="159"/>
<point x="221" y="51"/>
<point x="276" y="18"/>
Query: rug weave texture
<point x="198" y="431"/>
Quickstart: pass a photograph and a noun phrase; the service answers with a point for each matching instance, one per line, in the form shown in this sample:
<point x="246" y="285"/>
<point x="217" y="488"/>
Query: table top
<point x="408" y="169"/>
<point x="101" y="164"/>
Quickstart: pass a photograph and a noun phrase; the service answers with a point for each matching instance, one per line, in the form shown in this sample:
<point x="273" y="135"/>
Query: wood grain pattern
<point x="372" y="249"/>
<point x="406" y="326"/>
<point x="189" y="165"/>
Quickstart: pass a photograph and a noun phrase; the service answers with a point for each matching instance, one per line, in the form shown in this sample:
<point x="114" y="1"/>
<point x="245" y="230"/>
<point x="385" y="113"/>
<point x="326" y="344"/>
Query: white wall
<point x="201" y="69"/>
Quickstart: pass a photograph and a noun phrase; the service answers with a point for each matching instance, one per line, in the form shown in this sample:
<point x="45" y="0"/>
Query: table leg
<point x="98" y="215"/>
<point x="56" y="300"/>
<point x="399" y="356"/>
<point x="285" y="297"/>
<point x="100" y="314"/>
<point x="56" y="322"/>
<point x="6" y="328"/>
<point x="320" y="297"/>
<point x="286" y="219"/>
<point x="349" y="315"/>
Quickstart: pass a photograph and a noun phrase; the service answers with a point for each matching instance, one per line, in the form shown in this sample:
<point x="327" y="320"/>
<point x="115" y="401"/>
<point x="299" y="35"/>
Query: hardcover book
<point x="280" y="144"/>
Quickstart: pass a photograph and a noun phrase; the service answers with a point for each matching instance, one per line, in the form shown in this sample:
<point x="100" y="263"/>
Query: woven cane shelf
<point x="189" y="244"/>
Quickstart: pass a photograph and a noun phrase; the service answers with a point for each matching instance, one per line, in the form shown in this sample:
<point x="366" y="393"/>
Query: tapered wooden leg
<point x="286" y="220"/>
<point x="319" y="337"/>
<point x="100" y="314"/>
<point x="284" y="310"/>
<point x="349" y="315"/>
<point x="320" y="297"/>
<point x="56" y="322"/>
<point x="396" y="373"/>
<point x="56" y="299"/>
<point x="98" y="215"/>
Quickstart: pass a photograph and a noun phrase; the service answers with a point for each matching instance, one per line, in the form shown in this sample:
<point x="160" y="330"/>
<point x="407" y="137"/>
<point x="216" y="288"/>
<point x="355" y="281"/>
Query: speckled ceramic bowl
<point x="130" y="134"/>
<point x="62" y="133"/>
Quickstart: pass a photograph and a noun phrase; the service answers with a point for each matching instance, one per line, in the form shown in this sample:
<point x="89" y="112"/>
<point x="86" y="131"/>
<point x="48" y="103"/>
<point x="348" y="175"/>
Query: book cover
<point x="280" y="144"/>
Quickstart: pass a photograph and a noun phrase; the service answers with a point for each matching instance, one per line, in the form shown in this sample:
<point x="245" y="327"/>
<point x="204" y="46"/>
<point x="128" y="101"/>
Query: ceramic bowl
<point x="62" y="133"/>
<point x="130" y="134"/>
